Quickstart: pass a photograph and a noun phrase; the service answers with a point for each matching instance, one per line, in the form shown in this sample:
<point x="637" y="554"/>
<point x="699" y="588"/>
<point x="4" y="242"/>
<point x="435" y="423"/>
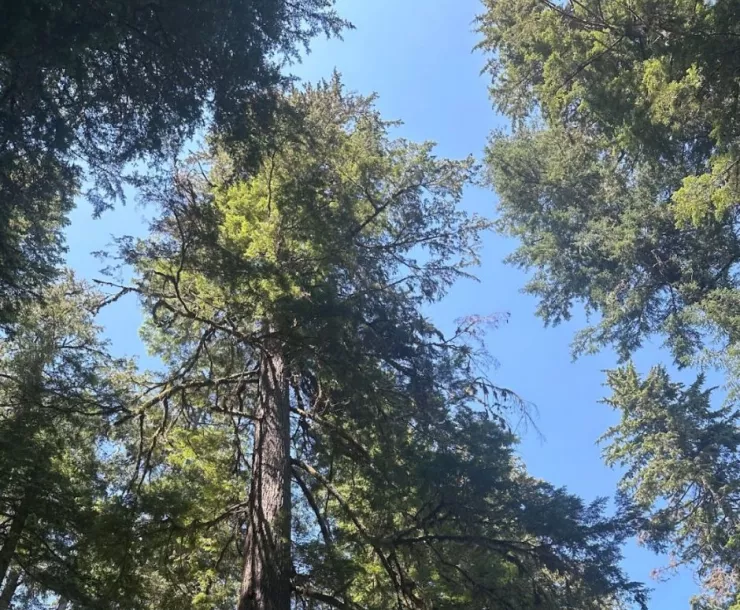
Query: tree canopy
<point x="93" y="86"/>
<point x="313" y="439"/>
<point x="310" y="438"/>
<point x="681" y="457"/>
<point x="59" y="393"/>
<point x="619" y="179"/>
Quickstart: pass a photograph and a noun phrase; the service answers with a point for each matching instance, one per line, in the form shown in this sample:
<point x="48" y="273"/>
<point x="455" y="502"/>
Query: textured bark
<point x="11" y="584"/>
<point x="14" y="535"/>
<point x="267" y="562"/>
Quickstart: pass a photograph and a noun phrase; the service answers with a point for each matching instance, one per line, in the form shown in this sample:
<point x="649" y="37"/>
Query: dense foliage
<point x="312" y="438"/>
<point x="682" y="460"/>
<point x="381" y="473"/>
<point x="59" y="393"/>
<point x="619" y="178"/>
<point x="96" y="85"/>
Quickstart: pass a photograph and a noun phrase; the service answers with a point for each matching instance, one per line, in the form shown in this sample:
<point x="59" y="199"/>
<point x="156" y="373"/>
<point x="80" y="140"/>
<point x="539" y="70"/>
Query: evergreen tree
<point x="59" y="392"/>
<point x="379" y="471"/>
<point x="619" y="178"/>
<point x="682" y="460"/>
<point x="94" y="86"/>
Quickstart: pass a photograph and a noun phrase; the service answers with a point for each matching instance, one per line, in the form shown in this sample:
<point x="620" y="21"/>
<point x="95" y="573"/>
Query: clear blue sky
<point x="417" y="55"/>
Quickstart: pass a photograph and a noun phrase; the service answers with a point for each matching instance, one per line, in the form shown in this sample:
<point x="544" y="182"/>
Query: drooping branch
<point x="199" y="384"/>
<point x="9" y="588"/>
<point x="163" y="300"/>
<point x="325" y="598"/>
<point x="321" y="421"/>
<point x="323" y="526"/>
<point x="483" y="541"/>
<point x="196" y="524"/>
<point x="384" y="560"/>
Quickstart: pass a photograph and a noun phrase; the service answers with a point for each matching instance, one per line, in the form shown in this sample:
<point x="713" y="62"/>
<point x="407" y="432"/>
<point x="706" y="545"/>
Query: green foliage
<point x="655" y="78"/>
<point x="619" y="179"/>
<point x="59" y="392"/>
<point x="96" y="87"/>
<point x="308" y="245"/>
<point x="37" y="195"/>
<point x="405" y="490"/>
<point x="181" y="550"/>
<point x="683" y="468"/>
<point x="597" y="231"/>
<point x="73" y="448"/>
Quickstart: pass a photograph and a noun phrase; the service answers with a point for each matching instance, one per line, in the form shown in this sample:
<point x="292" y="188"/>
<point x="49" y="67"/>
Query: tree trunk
<point x="11" y="584"/>
<point x="14" y="535"/>
<point x="63" y="604"/>
<point x="267" y="561"/>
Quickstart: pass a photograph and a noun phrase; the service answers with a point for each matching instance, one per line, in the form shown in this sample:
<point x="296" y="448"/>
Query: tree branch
<point x="325" y="598"/>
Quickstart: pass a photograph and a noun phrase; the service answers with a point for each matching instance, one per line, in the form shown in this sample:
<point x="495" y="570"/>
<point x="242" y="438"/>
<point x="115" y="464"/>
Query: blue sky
<point x="417" y="55"/>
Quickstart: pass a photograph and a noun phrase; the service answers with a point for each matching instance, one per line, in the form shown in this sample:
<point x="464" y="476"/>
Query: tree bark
<point x="63" y="604"/>
<point x="11" y="584"/>
<point x="14" y="535"/>
<point x="267" y="561"/>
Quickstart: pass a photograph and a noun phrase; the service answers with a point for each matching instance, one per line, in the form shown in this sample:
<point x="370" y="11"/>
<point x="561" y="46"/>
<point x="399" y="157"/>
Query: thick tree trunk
<point x="14" y="535"/>
<point x="11" y="584"/>
<point x="63" y="604"/>
<point x="267" y="561"/>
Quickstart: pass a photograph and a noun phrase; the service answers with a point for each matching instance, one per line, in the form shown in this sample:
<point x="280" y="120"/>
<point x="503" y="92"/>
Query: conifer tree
<point x="59" y="393"/>
<point x="87" y="88"/>
<point x="619" y="178"/>
<point x="380" y="469"/>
